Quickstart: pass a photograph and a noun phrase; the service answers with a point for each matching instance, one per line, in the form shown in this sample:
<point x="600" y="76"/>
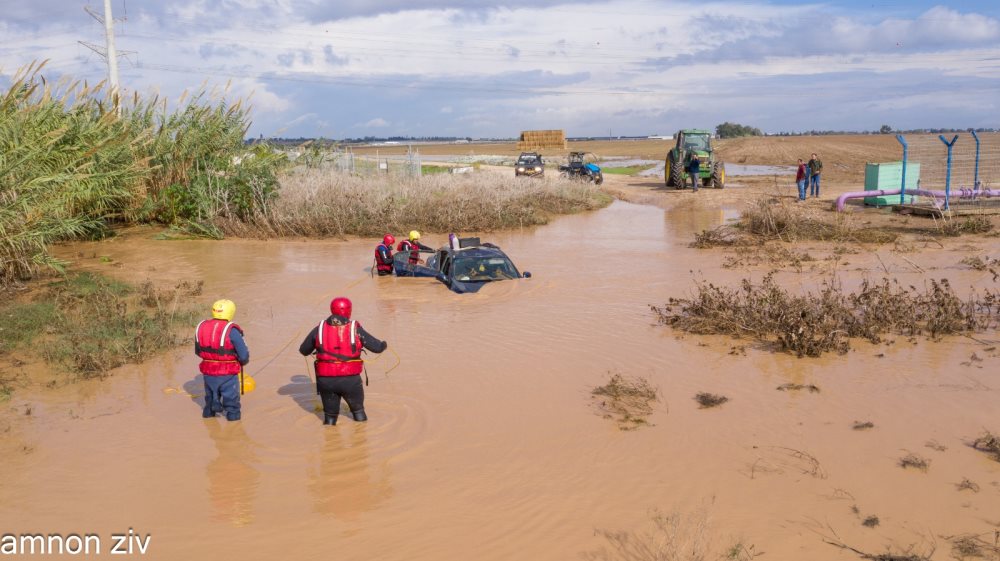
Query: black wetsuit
<point x="332" y="388"/>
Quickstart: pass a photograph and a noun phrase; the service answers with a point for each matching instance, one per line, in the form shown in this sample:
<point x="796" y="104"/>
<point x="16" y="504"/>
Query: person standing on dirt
<point x="413" y="246"/>
<point x="383" y="256"/>
<point x="338" y="342"/>
<point x="815" y="168"/>
<point x="694" y="170"/>
<point x="801" y="177"/>
<point x="223" y="352"/>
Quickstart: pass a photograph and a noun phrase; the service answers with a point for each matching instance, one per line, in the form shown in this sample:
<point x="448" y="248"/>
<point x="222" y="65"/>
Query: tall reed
<point x="70" y="165"/>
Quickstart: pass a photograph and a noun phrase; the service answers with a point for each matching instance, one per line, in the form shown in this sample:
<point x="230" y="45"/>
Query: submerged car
<point x="471" y="265"/>
<point x="529" y="164"/>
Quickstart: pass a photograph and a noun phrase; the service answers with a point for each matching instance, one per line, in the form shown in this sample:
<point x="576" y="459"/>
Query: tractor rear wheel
<point x="676" y="171"/>
<point x="719" y="175"/>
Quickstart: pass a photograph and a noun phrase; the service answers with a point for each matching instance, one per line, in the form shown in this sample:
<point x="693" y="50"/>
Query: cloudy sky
<point x="350" y="68"/>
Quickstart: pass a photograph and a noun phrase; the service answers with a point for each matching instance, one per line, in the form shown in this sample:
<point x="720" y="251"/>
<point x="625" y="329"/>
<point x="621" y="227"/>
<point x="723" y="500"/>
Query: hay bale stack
<point x="532" y="141"/>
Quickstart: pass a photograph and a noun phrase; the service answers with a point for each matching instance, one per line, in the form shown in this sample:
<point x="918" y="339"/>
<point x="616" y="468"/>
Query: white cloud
<point x="377" y="122"/>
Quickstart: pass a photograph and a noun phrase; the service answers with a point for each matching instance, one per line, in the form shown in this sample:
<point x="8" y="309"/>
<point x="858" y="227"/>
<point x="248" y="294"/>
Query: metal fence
<point x="343" y="160"/>
<point x="346" y="161"/>
<point x="966" y="165"/>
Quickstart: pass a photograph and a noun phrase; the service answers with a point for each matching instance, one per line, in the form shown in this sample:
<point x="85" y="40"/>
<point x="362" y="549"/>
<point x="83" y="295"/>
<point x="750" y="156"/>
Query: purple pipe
<point x="960" y="193"/>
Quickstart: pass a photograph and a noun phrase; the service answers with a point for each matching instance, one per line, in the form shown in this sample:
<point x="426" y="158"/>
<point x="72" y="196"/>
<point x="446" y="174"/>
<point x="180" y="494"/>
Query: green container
<point x="889" y="175"/>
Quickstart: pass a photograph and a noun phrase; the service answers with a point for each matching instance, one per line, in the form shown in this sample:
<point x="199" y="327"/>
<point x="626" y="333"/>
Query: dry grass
<point x="776" y="256"/>
<point x="706" y="400"/>
<point x="988" y="443"/>
<point x="674" y="537"/>
<point x="813" y="323"/>
<point x="969" y="225"/>
<point x="976" y="546"/>
<point x="773" y="218"/>
<point x="870" y="521"/>
<point x="967" y="484"/>
<point x="798" y="387"/>
<point x="911" y="460"/>
<point x="628" y="401"/>
<point x="320" y="203"/>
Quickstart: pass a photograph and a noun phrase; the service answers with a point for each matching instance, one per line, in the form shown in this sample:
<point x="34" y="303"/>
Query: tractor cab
<point x="711" y="172"/>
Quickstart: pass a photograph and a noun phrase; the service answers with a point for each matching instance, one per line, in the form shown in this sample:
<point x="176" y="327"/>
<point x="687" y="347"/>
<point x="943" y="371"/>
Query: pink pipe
<point x="957" y="193"/>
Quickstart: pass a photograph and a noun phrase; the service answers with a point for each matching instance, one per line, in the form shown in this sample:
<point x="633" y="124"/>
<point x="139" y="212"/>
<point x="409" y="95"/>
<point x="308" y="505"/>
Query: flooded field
<point x="484" y="441"/>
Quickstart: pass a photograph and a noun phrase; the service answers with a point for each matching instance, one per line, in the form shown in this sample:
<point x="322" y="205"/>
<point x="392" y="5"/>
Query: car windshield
<point x="696" y="142"/>
<point x="528" y="161"/>
<point x="477" y="269"/>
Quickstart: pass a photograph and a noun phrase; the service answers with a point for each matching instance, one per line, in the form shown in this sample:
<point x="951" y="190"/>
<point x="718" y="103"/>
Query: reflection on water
<point x="344" y="483"/>
<point x="232" y="477"/>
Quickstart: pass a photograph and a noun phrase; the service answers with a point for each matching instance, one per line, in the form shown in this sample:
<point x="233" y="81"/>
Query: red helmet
<point x="341" y="306"/>
<point x="388" y="240"/>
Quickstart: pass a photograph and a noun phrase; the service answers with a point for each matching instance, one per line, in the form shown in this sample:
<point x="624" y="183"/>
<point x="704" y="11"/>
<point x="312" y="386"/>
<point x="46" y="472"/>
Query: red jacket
<point x="407" y="245"/>
<point x="338" y="350"/>
<point x="212" y="344"/>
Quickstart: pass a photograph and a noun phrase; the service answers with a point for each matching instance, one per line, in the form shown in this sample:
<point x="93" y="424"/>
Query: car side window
<point x="445" y="264"/>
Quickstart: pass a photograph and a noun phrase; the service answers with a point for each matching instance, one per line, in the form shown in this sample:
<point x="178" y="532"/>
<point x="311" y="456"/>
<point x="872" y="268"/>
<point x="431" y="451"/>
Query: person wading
<point x="414" y="246"/>
<point x="219" y="342"/>
<point x="338" y="342"/>
<point x="383" y="256"/>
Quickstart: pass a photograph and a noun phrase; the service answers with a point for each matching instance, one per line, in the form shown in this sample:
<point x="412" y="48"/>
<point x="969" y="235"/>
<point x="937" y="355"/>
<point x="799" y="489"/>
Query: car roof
<point x="477" y="251"/>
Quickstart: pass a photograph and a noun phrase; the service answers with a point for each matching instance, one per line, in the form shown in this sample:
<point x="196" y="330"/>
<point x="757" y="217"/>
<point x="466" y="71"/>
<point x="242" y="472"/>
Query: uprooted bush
<point x="988" y="443"/>
<point x="813" y="323"/>
<point x="770" y="218"/>
<point x="628" y="401"/>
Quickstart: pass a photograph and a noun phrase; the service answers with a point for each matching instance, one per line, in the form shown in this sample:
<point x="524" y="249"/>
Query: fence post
<point x="947" y="177"/>
<point x="975" y="180"/>
<point x="902" y="188"/>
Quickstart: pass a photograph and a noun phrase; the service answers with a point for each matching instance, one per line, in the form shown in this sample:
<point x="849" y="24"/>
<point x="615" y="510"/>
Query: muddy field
<point x="486" y="438"/>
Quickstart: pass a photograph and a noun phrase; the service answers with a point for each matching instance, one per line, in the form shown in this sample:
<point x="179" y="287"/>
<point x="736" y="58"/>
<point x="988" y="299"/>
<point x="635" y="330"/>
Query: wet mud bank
<point x="484" y="441"/>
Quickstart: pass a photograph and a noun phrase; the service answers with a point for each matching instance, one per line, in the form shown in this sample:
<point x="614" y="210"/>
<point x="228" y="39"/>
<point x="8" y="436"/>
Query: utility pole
<point x="108" y="51"/>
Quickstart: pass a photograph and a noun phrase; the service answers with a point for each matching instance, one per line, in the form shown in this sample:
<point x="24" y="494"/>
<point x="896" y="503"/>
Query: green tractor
<point x="713" y="171"/>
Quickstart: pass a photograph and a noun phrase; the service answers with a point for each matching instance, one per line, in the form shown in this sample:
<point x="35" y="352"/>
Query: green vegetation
<point x="431" y="169"/>
<point x="733" y="130"/>
<point x="89" y="324"/>
<point x="70" y="166"/>
<point x="628" y="170"/>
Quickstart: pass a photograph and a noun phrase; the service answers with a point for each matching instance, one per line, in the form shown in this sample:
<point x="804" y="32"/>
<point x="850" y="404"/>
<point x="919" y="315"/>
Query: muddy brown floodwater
<point x="483" y="443"/>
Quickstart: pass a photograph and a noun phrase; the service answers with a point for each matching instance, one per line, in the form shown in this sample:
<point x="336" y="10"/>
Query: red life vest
<point x="212" y="344"/>
<point x="383" y="266"/>
<point x="407" y="245"/>
<point x="338" y="350"/>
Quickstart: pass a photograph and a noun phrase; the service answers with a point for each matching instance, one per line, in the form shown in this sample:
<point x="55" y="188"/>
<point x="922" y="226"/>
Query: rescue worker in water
<point x="383" y="256"/>
<point x="338" y="342"/>
<point x="223" y="352"/>
<point x="413" y="246"/>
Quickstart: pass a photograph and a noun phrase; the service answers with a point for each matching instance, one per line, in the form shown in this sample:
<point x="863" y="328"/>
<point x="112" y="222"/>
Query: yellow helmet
<point x="249" y="384"/>
<point x="414" y="235"/>
<point x="224" y="309"/>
